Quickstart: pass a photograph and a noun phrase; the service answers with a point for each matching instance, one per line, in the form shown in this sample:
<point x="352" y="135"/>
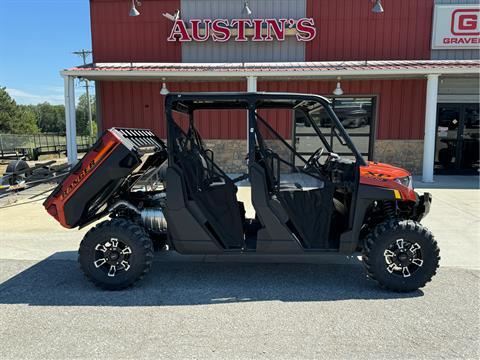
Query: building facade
<point x="418" y="59"/>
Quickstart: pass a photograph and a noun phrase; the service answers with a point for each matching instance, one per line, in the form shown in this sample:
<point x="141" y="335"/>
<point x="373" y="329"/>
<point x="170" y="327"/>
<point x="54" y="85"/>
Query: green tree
<point x="7" y="111"/>
<point x="44" y="117"/>
<point x="15" y="119"/>
<point x="83" y="127"/>
<point x="50" y="118"/>
<point x="27" y="121"/>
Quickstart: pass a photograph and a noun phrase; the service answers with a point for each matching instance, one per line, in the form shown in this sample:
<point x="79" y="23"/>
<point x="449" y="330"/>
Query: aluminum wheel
<point x="113" y="256"/>
<point x="403" y="258"/>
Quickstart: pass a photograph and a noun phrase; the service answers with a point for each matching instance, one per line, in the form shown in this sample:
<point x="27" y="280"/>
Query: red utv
<point x="178" y="197"/>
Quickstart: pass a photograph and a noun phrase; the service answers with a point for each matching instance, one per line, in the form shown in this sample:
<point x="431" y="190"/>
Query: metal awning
<point x="253" y="72"/>
<point x="272" y="71"/>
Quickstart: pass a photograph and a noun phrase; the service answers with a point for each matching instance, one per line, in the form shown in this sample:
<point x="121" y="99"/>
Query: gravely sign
<point x="222" y="30"/>
<point x="456" y="26"/>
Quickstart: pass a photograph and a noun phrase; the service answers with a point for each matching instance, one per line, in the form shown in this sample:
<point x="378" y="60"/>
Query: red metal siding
<point x="139" y="104"/>
<point x="117" y="37"/>
<point x="280" y="120"/>
<point x="348" y="30"/>
<point x="400" y="103"/>
<point x="400" y="106"/>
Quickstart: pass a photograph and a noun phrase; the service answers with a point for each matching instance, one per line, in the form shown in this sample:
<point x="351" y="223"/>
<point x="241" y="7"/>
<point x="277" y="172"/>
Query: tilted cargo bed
<point x="83" y="194"/>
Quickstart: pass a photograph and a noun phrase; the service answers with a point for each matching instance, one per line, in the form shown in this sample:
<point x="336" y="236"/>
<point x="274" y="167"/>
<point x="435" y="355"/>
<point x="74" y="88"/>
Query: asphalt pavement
<point x="197" y="307"/>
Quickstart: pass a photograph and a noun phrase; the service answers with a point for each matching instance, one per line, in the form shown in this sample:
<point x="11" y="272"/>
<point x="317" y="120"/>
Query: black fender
<point x="422" y="206"/>
<point x="366" y="195"/>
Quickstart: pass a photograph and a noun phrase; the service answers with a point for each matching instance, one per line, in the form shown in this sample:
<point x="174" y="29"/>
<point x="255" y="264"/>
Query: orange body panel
<point x="54" y="204"/>
<point x="384" y="175"/>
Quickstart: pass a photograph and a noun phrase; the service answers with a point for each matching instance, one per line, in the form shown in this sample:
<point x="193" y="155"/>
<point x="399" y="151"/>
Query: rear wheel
<point x="401" y="255"/>
<point x="115" y="254"/>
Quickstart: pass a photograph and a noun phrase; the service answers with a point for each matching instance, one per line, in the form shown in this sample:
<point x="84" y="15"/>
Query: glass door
<point x="470" y="138"/>
<point x="457" y="145"/>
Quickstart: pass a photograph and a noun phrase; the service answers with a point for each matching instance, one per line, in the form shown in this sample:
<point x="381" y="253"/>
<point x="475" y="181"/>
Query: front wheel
<point x="401" y="255"/>
<point x="115" y="254"/>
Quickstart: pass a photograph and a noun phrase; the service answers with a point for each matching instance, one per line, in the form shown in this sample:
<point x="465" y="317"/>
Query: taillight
<point x="52" y="210"/>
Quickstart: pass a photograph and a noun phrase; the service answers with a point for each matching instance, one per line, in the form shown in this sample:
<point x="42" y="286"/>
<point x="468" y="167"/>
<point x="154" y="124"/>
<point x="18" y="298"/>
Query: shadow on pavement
<point x="61" y="283"/>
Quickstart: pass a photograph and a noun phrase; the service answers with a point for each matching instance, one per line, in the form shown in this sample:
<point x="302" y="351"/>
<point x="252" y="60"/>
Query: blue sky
<point x="37" y="38"/>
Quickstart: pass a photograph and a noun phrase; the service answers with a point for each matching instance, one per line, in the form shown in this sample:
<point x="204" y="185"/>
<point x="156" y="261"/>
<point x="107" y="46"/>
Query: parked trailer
<point x="31" y="147"/>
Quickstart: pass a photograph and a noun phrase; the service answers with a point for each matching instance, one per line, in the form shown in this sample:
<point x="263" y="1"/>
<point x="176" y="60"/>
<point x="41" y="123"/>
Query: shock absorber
<point x="389" y="208"/>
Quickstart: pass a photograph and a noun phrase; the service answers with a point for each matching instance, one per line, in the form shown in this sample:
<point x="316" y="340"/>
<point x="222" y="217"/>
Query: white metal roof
<point x="202" y="71"/>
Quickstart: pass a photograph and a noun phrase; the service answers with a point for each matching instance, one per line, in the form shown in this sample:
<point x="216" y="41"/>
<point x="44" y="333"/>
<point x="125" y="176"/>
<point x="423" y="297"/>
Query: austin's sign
<point x="222" y="30"/>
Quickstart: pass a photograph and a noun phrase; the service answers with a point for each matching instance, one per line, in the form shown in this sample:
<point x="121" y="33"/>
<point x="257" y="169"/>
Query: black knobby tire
<point x="17" y="166"/>
<point x="126" y="232"/>
<point x="381" y="239"/>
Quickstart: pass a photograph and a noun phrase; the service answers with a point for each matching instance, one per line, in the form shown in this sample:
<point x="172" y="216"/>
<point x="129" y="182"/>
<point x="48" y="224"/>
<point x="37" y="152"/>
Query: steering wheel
<point x="313" y="159"/>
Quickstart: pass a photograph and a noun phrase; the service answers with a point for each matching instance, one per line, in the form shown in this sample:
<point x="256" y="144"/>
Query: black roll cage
<point x="187" y="103"/>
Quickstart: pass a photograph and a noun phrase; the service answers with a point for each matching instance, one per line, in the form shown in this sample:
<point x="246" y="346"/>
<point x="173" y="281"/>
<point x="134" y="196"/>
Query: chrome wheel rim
<point x="112" y="256"/>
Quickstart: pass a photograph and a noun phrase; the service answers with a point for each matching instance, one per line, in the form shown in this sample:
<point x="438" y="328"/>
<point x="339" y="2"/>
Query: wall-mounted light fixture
<point x="164" y="90"/>
<point x="174" y="17"/>
<point x="377" y="7"/>
<point x="338" y="90"/>
<point x="133" y="9"/>
<point x="246" y="9"/>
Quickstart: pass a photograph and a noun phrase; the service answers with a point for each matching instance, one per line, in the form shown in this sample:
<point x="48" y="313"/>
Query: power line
<point x="84" y="54"/>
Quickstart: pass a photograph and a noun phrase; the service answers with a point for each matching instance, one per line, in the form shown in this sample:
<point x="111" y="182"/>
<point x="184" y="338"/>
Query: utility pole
<point x="84" y="55"/>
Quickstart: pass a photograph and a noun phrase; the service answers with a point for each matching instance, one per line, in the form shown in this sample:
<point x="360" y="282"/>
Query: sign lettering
<point x="456" y="26"/>
<point x="222" y="30"/>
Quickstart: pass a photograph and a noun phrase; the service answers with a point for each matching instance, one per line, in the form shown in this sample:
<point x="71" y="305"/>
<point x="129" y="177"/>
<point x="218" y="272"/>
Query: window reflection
<point x="356" y="116"/>
<point x="457" y="143"/>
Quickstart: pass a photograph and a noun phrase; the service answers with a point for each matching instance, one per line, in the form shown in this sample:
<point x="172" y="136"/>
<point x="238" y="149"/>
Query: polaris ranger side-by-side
<point x="176" y="196"/>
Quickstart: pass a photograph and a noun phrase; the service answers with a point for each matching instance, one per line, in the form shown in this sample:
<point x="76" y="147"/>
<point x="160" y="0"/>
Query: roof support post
<point x="70" y="120"/>
<point x="251" y="84"/>
<point x="430" y="124"/>
<point x="251" y="87"/>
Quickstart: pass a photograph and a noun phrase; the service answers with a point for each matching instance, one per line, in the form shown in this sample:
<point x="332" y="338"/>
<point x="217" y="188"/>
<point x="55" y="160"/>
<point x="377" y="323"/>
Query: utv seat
<point x="310" y="211"/>
<point x="271" y="180"/>
<point x="306" y="211"/>
<point x="215" y="195"/>
<point x="296" y="181"/>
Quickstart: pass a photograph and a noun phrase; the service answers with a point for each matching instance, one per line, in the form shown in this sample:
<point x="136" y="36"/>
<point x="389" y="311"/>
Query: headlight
<point x="405" y="181"/>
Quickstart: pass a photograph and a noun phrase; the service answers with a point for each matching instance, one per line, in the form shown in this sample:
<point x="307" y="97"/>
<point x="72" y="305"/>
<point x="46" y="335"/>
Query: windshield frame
<point x="252" y="101"/>
<point x="337" y="130"/>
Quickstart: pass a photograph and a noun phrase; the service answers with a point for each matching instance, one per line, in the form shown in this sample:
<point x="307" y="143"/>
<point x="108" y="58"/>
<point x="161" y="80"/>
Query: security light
<point x="338" y="90"/>
<point x="377" y="8"/>
<point x="133" y="9"/>
<point x="174" y="17"/>
<point x="246" y="9"/>
<point x="164" y="90"/>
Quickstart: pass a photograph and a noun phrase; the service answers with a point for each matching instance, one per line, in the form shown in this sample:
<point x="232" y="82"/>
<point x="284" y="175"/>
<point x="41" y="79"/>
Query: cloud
<point x="25" y="98"/>
<point x="52" y="94"/>
<point x="55" y="89"/>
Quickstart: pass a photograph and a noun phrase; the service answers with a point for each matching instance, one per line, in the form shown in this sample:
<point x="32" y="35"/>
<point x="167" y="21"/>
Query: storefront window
<point x="356" y="116"/>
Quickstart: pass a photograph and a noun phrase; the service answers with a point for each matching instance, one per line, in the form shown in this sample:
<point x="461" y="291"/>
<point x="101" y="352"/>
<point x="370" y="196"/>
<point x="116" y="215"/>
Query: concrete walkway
<point x="29" y="233"/>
